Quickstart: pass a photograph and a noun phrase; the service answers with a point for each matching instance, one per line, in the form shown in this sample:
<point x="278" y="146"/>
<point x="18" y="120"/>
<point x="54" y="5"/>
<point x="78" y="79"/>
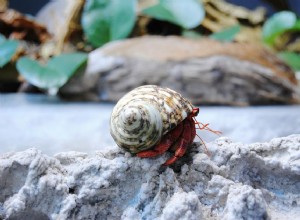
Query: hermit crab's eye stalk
<point x="195" y="112"/>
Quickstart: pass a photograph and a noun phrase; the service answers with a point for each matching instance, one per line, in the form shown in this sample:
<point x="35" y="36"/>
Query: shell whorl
<point x="136" y="126"/>
<point x="144" y="115"/>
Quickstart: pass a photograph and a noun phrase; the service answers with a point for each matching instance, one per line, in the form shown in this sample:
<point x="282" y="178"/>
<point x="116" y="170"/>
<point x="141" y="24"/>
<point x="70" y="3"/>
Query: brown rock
<point x="205" y="71"/>
<point x="177" y="48"/>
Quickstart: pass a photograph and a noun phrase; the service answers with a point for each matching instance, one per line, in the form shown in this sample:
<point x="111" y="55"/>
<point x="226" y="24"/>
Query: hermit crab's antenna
<point x="202" y="126"/>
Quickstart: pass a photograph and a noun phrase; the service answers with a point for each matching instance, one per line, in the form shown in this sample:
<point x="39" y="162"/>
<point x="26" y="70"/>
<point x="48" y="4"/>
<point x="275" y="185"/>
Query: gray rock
<point x="204" y="71"/>
<point x="244" y="202"/>
<point x="237" y="181"/>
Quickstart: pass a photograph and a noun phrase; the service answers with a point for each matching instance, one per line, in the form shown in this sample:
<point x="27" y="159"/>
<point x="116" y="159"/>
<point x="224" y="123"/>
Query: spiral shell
<point x="143" y="116"/>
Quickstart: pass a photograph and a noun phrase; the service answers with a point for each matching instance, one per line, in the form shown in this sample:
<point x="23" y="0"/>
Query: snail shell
<point x="143" y="116"/>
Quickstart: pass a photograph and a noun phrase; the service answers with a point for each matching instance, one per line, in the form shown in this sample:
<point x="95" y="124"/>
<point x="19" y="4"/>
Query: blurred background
<point x="270" y="6"/>
<point x="64" y="65"/>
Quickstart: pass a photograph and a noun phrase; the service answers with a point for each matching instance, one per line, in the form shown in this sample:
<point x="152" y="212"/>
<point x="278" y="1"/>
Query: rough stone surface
<point x="204" y="71"/>
<point x="237" y="181"/>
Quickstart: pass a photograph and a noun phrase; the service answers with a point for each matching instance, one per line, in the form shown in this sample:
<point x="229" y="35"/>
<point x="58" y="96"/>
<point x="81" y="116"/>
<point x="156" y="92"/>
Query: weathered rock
<point x="205" y="71"/>
<point x="256" y="181"/>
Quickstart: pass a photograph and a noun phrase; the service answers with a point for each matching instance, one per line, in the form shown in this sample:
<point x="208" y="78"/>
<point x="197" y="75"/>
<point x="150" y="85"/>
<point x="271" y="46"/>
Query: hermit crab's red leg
<point x="164" y="144"/>
<point x="184" y="141"/>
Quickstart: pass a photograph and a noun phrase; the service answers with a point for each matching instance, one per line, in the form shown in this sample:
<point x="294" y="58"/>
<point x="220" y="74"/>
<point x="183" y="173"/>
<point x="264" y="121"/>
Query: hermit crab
<point x="150" y="120"/>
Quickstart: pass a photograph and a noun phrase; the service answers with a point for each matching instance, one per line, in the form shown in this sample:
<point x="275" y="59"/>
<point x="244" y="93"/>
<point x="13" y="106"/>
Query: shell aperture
<point x="141" y="117"/>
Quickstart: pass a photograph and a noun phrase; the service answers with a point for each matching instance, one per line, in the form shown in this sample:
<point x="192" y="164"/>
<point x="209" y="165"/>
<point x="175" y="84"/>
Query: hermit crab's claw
<point x="186" y="139"/>
<point x="164" y="145"/>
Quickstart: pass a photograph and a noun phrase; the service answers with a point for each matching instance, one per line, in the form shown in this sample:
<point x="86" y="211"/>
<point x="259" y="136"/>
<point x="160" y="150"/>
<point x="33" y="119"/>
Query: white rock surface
<point x="238" y="181"/>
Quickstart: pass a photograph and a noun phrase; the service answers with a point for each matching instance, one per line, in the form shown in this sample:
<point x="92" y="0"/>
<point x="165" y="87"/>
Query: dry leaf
<point x="253" y="16"/>
<point x="3" y="5"/>
<point x="221" y="15"/>
<point x="17" y="26"/>
<point x="62" y="18"/>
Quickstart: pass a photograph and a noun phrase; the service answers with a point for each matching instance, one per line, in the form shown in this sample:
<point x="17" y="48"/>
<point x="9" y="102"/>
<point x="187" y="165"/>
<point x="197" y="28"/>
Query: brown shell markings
<point x="143" y="116"/>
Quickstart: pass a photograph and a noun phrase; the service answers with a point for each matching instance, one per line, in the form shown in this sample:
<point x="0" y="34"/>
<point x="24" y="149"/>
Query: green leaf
<point x="68" y="63"/>
<point x="278" y="24"/>
<point x="187" y="14"/>
<point x="2" y="39"/>
<point x="191" y="34"/>
<point x="7" y="51"/>
<point x="296" y="26"/>
<point x="107" y="20"/>
<point x="292" y="59"/>
<point x="53" y="75"/>
<point x="39" y="75"/>
<point x="227" y="34"/>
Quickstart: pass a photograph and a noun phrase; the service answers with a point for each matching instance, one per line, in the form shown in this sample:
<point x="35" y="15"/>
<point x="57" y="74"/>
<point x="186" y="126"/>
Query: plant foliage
<point x="8" y="48"/>
<point x="55" y="74"/>
<point x="108" y="20"/>
<point x="187" y="14"/>
<point x="278" y="24"/>
<point x="292" y="59"/>
<point x="227" y="34"/>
